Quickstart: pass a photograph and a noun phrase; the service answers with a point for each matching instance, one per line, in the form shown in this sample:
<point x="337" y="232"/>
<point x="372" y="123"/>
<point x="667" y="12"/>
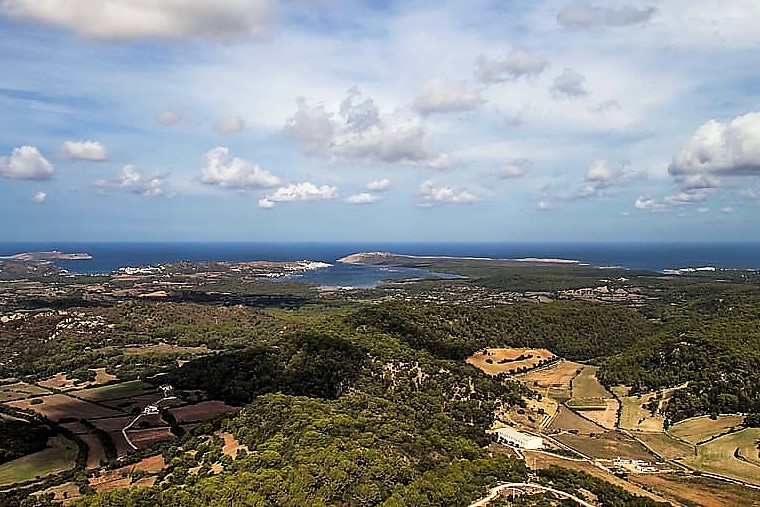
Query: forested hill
<point x="712" y="342"/>
<point x="578" y="331"/>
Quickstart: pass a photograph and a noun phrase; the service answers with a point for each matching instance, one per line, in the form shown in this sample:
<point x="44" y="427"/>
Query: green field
<point x="717" y="456"/>
<point x="666" y="446"/>
<point x="586" y="386"/>
<point x="113" y="391"/>
<point x="60" y="456"/>
<point x="19" y="391"/>
<point x="698" y="429"/>
<point x="633" y="415"/>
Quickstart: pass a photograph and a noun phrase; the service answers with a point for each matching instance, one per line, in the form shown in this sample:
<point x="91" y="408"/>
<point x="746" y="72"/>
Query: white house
<point x="512" y="437"/>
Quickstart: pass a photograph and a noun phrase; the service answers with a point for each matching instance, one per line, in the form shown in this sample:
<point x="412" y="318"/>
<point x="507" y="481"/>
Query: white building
<point x="512" y="437"/>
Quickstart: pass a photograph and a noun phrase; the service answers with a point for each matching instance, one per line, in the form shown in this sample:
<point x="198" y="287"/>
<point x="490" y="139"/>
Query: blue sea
<point x="108" y="257"/>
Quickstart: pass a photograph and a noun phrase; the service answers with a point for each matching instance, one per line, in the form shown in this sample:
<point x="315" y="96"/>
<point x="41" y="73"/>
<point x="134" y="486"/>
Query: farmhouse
<point x="512" y="437"/>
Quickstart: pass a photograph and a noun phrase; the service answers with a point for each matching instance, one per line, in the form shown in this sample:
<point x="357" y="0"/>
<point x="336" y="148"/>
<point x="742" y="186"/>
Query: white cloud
<point x="169" y="117"/>
<point x="236" y="173"/>
<point x="304" y="191"/>
<point x="649" y="204"/>
<point x="601" y="179"/>
<point x="379" y="185"/>
<point x="547" y="205"/>
<point x="731" y="148"/>
<point x="440" y="96"/>
<point x="40" y="197"/>
<point x="138" y="19"/>
<point x="83" y="150"/>
<point x="433" y="195"/>
<point x="26" y="163"/>
<point x="514" y="170"/>
<point x="131" y="180"/>
<point x="570" y="84"/>
<point x="358" y="133"/>
<point x="517" y="64"/>
<point x="727" y="209"/>
<point x="440" y="162"/>
<point x="583" y="15"/>
<point x="231" y="125"/>
<point x="688" y="197"/>
<point x="363" y="198"/>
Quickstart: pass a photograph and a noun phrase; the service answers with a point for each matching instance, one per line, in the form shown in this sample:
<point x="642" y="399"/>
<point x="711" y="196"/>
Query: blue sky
<point x="259" y="120"/>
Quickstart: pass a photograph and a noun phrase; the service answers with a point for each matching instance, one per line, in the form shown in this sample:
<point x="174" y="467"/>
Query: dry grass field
<point x="567" y="420"/>
<point x="59" y="456"/>
<point x="554" y="380"/>
<point x="699" y="429"/>
<point x="590" y="396"/>
<point x="607" y="445"/>
<point x="693" y="490"/>
<point x="60" y="406"/>
<point x="718" y="456"/>
<point x="495" y="361"/>
<point x="231" y="445"/>
<point x="586" y="386"/>
<point x="633" y="415"/>
<point x="201" y="411"/>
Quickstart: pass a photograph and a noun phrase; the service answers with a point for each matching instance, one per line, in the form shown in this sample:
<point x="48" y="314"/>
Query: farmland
<point x="718" y="456"/>
<point x="699" y="429"/>
<point x="202" y="411"/>
<point x="115" y="391"/>
<point x="494" y="361"/>
<point x="554" y="380"/>
<point x="19" y="390"/>
<point x="60" y="406"/>
<point x="698" y="491"/>
<point x="59" y="456"/>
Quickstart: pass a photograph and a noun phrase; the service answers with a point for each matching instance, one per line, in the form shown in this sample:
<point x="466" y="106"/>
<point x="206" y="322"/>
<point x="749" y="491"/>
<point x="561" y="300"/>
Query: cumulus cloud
<point x="513" y="170"/>
<point x="83" y="150"/>
<point x="304" y="191"/>
<point x="649" y="204"/>
<point x="717" y="148"/>
<point x="26" y="163"/>
<point x="141" y="19"/>
<point x="583" y="16"/>
<point x="433" y="195"/>
<point x="379" y="185"/>
<point x="516" y="65"/>
<point x="363" y="198"/>
<point x="600" y="180"/>
<point x="40" y="197"/>
<point x="440" y="96"/>
<point x="358" y="132"/>
<point x="169" y="117"/>
<point x="440" y="162"/>
<point x="131" y="180"/>
<point x="231" y="125"/>
<point x="570" y="84"/>
<point x="237" y="173"/>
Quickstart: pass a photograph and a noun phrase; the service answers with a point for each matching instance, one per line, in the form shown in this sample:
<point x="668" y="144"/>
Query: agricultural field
<point x="113" y="423"/>
<point x="718" y="456"/>
<point x="95" y="451"/>
<point x="60" y="406"/>
<point x="201" y="411"/>
<point x="148" y="437"/>
<point x="590" y="396"/>
<point x="61" y="381"/>
<point x="60" y="455"/>
<point x="695" y="490"/>
<point x="586" y="386"/>
<point x="607" y="445"/>
<point x="116" y="391"/>
<point x="495" y="361"/>
<point x="699" y="429"/>
<point x="567" y="420"/>
<point x="19" y="391"/>
<point x="554" y="381"/>
<point x="633" y="415"/>
<point x="666" y="446"/>
<point x="64" y="493"/>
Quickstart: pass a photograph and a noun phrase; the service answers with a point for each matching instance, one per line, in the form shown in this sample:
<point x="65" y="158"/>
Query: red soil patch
<point x="146" y="438"/>
<point x="495" y="361"/>
<point x="96" y="453"/>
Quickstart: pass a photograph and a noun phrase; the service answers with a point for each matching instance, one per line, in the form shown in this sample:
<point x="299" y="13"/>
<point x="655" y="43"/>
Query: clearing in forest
<point x="554" y="380"/>
<point x="590" y="397"/>
<point x="512" y="360"/>
<point x="634" y="415"/>
<point x="19" y="391"/>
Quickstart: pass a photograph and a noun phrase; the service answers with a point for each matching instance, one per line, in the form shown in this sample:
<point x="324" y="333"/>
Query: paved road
<point x="506" y="487"/>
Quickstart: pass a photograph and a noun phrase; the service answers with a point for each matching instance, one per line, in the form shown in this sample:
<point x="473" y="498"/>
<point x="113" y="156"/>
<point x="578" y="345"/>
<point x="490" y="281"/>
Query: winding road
<point x="504" y="488"/>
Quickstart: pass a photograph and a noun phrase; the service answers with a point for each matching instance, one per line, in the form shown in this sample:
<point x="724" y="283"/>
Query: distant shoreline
<point x="374" y="258"/>
<point x="53" y="255"/>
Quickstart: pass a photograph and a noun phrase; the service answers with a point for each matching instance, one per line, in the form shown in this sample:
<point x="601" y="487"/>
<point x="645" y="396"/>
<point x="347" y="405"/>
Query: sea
<point x="107" y="257"/>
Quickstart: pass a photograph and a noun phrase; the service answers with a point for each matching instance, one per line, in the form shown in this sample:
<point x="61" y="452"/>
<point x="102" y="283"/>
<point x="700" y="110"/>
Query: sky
<point x="385" y="120"/>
